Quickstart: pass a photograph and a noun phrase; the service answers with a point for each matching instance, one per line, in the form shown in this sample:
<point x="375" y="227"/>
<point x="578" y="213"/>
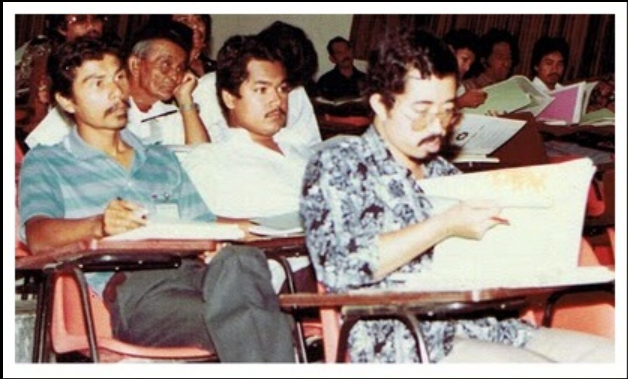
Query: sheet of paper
<point x="286" y="221"/>
<point x="502" y="97"/>
<point x="438" y="281"/>
<point x="543" y="237"/>
<point x="600" y="117"/>
<point x="182" y="230"/>
<point x="481" y="135"/>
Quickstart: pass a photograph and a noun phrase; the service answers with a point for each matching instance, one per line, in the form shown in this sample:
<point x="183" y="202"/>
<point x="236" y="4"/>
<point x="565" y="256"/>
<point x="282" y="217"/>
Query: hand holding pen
<point x="121" y="216"/>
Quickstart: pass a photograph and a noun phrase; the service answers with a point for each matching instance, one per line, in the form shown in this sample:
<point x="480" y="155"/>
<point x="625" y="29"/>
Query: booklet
<point x="569" y="105"/>
<point x="477" y="136"/>
<point x="601" y="117"/>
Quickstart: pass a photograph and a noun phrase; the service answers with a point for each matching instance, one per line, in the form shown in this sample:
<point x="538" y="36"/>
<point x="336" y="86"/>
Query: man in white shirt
<point x="158" y="73"/>
<point x="549" y="60"/>
<point x="298" y="55"/>
<point x="250" y="173"/>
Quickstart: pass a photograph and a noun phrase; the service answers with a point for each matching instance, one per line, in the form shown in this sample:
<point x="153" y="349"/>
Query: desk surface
<point x="182" y="247"/>
<point x="417" y="298"/>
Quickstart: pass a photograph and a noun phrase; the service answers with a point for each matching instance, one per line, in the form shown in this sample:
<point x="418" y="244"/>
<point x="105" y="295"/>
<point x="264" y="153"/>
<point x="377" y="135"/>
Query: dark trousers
<point x="228" y="306"/>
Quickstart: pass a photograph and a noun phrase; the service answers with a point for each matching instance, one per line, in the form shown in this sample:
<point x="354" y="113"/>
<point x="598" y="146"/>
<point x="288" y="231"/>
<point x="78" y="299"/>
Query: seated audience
<point x="162" y="108"/>
<point x="499" y="54"/>
<point x="550" y="57"/>
<point x="366" y="216"/>
<point x="100" y="181"/>
<point x="344" y="81"/>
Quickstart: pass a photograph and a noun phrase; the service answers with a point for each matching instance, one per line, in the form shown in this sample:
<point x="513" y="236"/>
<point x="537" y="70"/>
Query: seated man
<point x="344" y="80"/>
<point x="298" y="56"/>
<point x="464" y="43"/>
<point x="549" y="60"/>
<point x="250" y="174"/>
<point x="100" y="181"/>
<point x="499" y="54"/>
<point x="158" y="74"/>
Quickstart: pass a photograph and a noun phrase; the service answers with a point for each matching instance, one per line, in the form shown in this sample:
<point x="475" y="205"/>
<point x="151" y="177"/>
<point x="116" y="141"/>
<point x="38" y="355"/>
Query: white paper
<point x="266" y="231"/>
<point x="541" y="239"/>
<point x="182" y="230"/>
<point x="477" y="135"/>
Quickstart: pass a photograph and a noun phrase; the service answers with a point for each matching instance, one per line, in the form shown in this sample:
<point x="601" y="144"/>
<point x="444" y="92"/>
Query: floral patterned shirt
<point x="353" y="191"/>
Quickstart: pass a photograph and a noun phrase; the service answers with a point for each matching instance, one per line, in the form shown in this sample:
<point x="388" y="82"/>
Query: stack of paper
<point x="182" y="230"/>
<point x="601" y="117"/>
<point x="278" y="225"/>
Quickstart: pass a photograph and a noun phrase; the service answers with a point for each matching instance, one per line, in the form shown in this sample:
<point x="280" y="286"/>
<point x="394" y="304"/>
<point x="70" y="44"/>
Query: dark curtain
<point x="31" y="25"/>
<point x="591" y="37"/>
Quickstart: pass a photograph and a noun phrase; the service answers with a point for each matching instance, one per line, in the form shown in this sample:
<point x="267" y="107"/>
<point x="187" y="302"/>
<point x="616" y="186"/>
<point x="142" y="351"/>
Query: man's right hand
<point x="473" y="98"/>
<point x="121" y="216"/>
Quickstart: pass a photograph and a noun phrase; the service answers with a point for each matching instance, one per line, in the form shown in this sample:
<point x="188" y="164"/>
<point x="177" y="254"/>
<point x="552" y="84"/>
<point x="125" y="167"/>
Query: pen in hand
<point x="500" y="220"/>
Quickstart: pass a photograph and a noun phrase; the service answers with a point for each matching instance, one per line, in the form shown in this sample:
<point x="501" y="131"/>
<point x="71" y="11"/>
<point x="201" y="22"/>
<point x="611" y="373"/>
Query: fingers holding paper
<point x="472" y="219"/>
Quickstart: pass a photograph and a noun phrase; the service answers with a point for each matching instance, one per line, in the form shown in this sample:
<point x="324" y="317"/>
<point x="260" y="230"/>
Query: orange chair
<point x="68" y="330"/>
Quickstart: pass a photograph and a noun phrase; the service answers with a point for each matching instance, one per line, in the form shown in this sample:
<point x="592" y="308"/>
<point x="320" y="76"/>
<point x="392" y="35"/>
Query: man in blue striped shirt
<point x="100" y="181"/>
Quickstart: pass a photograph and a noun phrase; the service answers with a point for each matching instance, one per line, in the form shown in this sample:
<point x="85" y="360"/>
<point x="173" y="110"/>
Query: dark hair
<point x="55" y="22"/>
<point x="334" y="40"/>
<point x="233" y="58"/>
<point x="294" y="49"/>
<point x="69" y="56"/>
<point x="495" y="36"/>
<point x="175" y="32"/>
<point x="399" y="53"/>
<point x="160" y="19"/>
<point x="547" y="45"/>
<point x="463" y="39"/>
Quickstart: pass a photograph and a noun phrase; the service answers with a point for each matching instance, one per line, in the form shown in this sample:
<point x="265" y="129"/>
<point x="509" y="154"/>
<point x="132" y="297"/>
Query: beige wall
<point x="320" y="29"/>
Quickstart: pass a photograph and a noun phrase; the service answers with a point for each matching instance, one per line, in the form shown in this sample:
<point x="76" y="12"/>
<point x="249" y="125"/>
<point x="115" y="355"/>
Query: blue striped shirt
<point x="72" y="180"/>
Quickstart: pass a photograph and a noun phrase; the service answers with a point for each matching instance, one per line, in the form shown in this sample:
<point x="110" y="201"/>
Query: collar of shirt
<point x="76" y="146"/>
<point x="542" y="86"/>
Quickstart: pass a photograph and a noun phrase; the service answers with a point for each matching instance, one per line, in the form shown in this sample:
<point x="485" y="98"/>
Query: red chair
<point x="68" y="330"/>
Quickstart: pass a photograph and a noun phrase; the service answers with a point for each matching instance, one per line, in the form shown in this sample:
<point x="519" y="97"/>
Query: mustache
<point x="278" y="110"/>
<point x="122" y="105"/>
<point x="431" y="137"/>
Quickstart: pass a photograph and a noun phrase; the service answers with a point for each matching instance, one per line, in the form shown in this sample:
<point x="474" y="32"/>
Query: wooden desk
<point x="411" y="306"/>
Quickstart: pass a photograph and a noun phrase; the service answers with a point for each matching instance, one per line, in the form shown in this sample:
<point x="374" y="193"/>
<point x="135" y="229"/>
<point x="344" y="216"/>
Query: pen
<point x="142" y="212"/>
<point x="500" y="220"/>
<point x="160" y="115"/>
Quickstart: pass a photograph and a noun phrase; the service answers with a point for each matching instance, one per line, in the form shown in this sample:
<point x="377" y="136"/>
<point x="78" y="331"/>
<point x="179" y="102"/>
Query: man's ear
<point x="377" y="105"/>
<point x="228" y="99"/>
<point x="65" y="103"/>
<point x="134" y="65"/>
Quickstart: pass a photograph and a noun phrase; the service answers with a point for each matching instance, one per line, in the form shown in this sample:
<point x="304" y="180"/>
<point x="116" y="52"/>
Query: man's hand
<point x="473" y="98"/>
<point x="121" y="216"/>
<point x="183" y="92"/>
<point x="471" y="219"/>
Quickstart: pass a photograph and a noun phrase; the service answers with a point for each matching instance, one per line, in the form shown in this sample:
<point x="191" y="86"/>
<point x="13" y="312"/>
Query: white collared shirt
<point x="542" y="86"/>
<point x="301" y="127"/>
<point x="166" y="130"/>
<point x="239" y="178"/>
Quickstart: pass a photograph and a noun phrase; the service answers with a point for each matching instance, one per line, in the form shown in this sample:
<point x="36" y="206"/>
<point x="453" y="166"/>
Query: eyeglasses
<point x="447" y="118"/>
<point x="82" y="20"/>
